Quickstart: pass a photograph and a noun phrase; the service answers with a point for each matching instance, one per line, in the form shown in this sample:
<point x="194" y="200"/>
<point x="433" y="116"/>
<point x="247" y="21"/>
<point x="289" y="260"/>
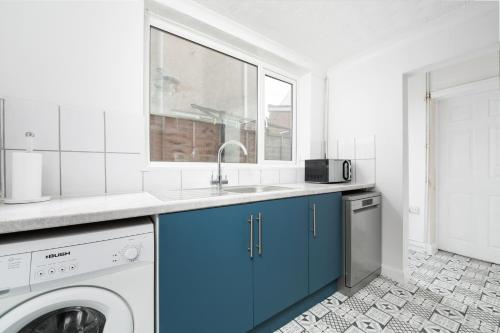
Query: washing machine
<point x="97" y="278"/>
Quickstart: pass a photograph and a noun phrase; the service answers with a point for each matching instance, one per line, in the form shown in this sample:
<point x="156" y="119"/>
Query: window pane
<point x="279" y="119"/>
<point x="199" y="99"/>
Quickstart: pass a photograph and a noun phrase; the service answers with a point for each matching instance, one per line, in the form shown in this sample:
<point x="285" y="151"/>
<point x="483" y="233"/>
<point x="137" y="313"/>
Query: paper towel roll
<point x="26" y="176"/>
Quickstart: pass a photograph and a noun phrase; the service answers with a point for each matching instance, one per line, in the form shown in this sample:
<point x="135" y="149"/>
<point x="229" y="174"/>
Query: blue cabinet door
<point x="205" y="273"/>
<point x="325" y="239"/>
<point x="280" y="269"/>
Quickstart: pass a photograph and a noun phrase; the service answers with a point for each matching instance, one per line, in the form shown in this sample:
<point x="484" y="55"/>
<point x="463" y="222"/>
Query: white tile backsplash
<point x="346" y="148"/>
<point x="82" y="129"/>
<point x="124" y="132"/>
<point x="23" y="116"/>
<point x="82" y="173"/>
<point x="50" y="172"/>
<point x="91" y="137"/>
<point x="365" y="171"/>
<point x="288" y="175"/>
<point x="231" y="174"/>
<point x="159" y="179"/>
<point x="300" y="175"/>
<point x="269" y="176"/>
<point x="365" y="147"/>
<point x="196" y="178"/>
<point x="123" y="172"/>
<point x="249" y="177"/>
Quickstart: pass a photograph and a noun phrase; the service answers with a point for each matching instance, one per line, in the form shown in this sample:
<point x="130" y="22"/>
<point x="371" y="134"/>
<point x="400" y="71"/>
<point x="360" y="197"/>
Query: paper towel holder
<point x="28" y="199"/>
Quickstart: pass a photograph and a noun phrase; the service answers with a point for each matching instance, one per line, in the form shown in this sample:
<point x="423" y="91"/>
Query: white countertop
<point x="73" y="211"/>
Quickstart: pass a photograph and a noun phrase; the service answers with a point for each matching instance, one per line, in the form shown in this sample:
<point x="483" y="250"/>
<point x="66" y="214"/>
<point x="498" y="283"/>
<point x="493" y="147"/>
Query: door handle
<point x="259" y="231"/>
<point x="314" y="221"/>
<point x="250" y="247"/>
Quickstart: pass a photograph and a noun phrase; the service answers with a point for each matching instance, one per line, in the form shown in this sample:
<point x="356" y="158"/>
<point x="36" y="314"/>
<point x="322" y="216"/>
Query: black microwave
<point x="328" y="171"/>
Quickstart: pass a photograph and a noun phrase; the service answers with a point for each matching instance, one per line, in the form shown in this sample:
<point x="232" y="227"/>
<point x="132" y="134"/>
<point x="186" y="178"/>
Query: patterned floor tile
<point x="399" y="302"/>
<point x="449" y="313"/>
<point x="398" y="326"/>
<point x="418" y="310"/>
<point x="368" y="325"/>
<point x="446" y="293"/>
<point x="331" y="302"/>
<point x="336" y="322"/>
<point x="306" y="320"/>
<point x="319" y="310"/>
<point x="357" y="304"/>
<point x="430" y="327"/>
<point x="380" y="316"/>
<point x="445" y="322"/>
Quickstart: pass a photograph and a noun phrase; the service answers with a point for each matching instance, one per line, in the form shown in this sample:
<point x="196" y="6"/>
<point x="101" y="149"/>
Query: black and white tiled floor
<point x="447" y="293"/>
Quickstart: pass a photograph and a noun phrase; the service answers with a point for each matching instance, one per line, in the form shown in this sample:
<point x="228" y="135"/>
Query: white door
<point x="468" y="175"/>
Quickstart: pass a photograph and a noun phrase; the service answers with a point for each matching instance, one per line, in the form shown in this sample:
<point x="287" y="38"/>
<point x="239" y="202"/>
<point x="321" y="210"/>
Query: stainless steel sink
<point x="254" y="189"/>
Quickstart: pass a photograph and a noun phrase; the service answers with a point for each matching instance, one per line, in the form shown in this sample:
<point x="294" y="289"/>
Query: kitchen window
<point x="278" y="119"/>
<point x="200" y="97"/>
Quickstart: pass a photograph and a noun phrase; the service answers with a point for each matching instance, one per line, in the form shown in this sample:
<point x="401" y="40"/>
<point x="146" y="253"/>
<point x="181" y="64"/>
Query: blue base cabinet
<point x="280" y="269"/>
<point x="205" y="273"/>
<point x="232" y="268"/>
<point x="325" y="239"/>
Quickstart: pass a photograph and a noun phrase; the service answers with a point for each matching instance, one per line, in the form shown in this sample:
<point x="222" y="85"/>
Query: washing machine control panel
<point x="59" y="263"/>
<point x="14" y="272"/>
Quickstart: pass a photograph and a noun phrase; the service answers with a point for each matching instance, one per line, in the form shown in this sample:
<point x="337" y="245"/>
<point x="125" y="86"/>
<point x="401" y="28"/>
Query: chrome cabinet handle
<point x="314" y="221"/>
<point x="250" y="247"/>
<point x="259" y="226"/>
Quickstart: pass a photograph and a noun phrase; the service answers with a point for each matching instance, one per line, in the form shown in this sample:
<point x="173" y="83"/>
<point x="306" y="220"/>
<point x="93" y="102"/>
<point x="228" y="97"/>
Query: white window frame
<point x="273" y="74"/>
<point x="152" y="20"/>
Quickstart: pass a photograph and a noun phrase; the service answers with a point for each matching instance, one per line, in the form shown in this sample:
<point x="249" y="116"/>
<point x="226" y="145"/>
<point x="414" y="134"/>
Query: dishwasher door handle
<point x="359" y="210"/>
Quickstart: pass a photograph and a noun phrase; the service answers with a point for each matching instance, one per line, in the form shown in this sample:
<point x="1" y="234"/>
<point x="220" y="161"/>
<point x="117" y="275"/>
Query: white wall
<point x="65" y="66"/>
<point x="311" y="88"/>
<point x="416" y="158"/>
<point x="367" y="96"/>
<point x="72" y="71"/>
<point x="86" y="53"/>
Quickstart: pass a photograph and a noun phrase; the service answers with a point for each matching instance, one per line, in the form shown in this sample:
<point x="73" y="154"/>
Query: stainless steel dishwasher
<point x="362" y="240"/>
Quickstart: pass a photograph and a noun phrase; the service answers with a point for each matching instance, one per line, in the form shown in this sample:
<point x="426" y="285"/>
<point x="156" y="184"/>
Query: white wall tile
<point x="231" y="174"/>
<point x="288" y="175"/>
<point x="346" y="148"/>
<point x="196" y="178"/>
<point x="82" y="173"/>
<point x="300" y="175"/>
<point x="124" y="132"/>
<point x="123" y="173"/>
<point x="82" y="129"/>
<point x="365" y="147"/>
<point x="23" y="116"/>
<point x="365" y="171"/>
<point x="249" y="177"/>
<point x="157" y="180"/>
<point x="270" y="176"/>
<point x="50" y="173"/>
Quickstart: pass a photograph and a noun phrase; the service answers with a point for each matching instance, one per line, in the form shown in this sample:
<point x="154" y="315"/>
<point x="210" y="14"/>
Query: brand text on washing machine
<point x="55" y="255"/>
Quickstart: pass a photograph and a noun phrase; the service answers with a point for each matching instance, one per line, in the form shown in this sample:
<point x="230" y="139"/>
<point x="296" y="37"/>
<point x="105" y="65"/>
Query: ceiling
<point x="330" y="31"/>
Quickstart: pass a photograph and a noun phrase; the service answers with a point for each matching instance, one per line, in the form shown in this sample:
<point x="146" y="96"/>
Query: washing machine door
<point x="70" y="310"/>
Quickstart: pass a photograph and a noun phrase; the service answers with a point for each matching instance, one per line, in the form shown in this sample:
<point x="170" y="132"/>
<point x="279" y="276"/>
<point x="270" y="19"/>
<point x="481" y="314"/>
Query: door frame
<point x="431" y="247"/>
<point x="472" y="88"/>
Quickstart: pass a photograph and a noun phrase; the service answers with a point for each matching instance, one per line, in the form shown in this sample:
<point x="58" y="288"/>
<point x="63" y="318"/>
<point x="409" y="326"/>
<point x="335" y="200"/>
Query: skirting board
<point x="427" y="248"/>
<point x="431" y="249"/>
<point x="393" y="273"/>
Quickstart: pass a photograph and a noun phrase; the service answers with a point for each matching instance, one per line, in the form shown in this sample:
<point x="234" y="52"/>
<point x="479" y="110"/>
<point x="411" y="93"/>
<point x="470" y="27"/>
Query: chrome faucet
<point x="219" y="181"/>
